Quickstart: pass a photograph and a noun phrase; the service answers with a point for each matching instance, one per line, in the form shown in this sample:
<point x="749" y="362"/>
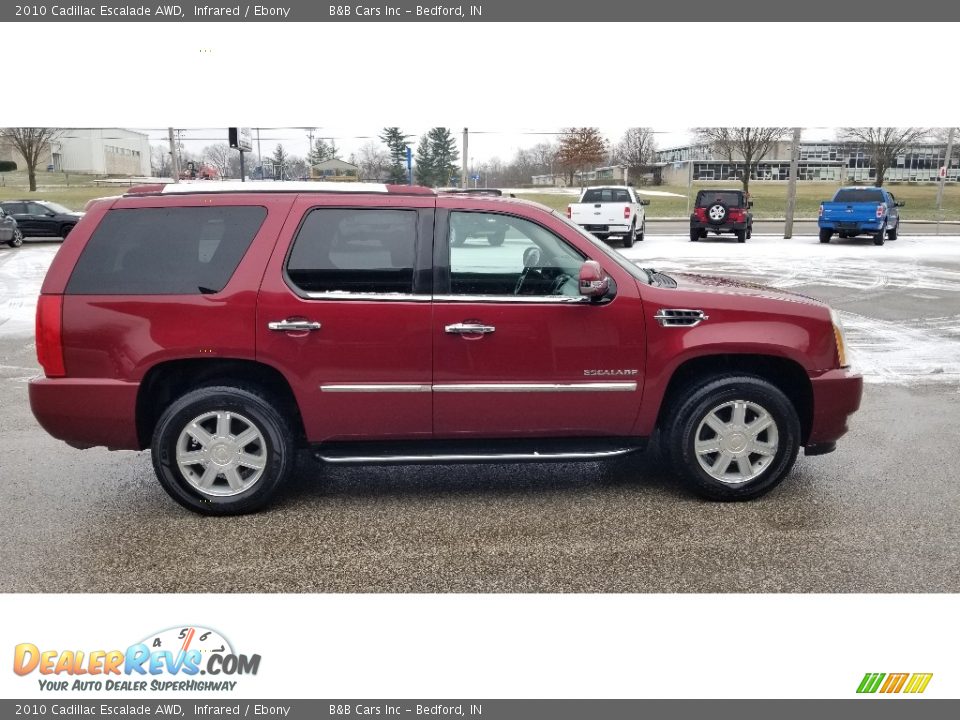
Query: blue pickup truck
<point x="860" y="211"/>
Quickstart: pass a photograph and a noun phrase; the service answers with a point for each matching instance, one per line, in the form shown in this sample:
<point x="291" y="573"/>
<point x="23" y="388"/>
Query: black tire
<point x="643" y="231"/>
<point x="17" y="239"/>
<point x="825" y="236"/>
<point x="497" y="240"/>
<point x="251" y="404"/>
<point x="741" y="235"/>
<point x="691" y="407"/>
<point x="719" y="210"/>
<point x="892" y="232"/>
<point x="694" y="235"/>
<point x="878" y="238"/>
<point x="65" y="230"/>
<point x="749" y="231"/>
<point x="631" y="237"/>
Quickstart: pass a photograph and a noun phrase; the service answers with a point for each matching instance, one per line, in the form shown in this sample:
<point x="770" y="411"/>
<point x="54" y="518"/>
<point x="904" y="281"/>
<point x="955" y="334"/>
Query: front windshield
<point x="635" y="270"/>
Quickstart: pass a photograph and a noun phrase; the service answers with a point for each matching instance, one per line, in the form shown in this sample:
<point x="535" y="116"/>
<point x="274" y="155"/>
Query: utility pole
<point x="943" y="178"/>
<point x="259" y="154"/>
<point x="174" y="161"/>
<point x="792" y="185"/>
<point x="464" y="174"/>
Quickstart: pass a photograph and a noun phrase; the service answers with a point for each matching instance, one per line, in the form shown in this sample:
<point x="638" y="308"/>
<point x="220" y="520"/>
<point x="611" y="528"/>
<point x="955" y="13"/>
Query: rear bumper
<point x="607" y="229"/>
<point x="855" y="226"/>
<point x="836" y="396"/>
<point x="724" y="227"/>
<point x="86" y="413"/>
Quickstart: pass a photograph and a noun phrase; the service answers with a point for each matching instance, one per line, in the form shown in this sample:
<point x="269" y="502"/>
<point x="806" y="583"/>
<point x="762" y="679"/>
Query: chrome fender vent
<point x="678" y="317"/>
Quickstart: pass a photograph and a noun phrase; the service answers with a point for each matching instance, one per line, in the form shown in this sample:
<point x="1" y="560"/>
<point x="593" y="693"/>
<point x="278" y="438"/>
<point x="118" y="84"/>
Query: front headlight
<point x="838" y="336"/>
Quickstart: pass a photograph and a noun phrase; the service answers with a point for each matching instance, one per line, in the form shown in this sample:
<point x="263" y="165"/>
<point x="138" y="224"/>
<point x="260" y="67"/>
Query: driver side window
<point x="501" y="255"/>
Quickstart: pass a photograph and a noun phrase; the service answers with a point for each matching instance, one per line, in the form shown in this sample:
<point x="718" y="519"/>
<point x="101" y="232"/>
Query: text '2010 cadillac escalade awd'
<point x="226" y="326"/>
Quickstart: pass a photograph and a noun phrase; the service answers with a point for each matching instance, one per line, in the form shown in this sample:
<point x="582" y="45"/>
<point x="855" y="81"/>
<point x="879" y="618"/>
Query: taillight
<point x="701" y="213"/>
<point x="569" y="212"/>
<point x="626" y="212"/>
<point x="50" y="335"/>
<point x="881" y="210"/>
<point x="821" y="211"/>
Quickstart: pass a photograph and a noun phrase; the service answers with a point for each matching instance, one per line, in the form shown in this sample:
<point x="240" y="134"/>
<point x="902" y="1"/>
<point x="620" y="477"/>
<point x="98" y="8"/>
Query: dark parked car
<point x="722" y="211"/>
<point x="9" y="231"/>
<point x="39" y="218"/>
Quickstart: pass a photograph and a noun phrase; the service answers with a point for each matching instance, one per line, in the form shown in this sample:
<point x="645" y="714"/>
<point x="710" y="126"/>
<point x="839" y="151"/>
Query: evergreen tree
<point x="396" y="142"/>
<point x="443" y="155"/>
<point x="322" y="150"/>
<point x="423" y="170"/>
<point x="279" y="161"/>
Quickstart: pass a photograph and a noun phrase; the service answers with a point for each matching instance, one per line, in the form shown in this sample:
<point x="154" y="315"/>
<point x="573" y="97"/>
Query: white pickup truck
<point x="611" y="210"/>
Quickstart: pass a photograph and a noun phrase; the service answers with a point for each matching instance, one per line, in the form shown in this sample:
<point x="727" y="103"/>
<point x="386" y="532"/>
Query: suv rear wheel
<point x="694" y="234"/>
<point x="732" y="438"/>
<point x="222" y="450"/>
<point x="741" y="235"/>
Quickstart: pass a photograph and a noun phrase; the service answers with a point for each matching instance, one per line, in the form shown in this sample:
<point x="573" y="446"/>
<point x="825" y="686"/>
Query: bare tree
<point x="748" y="145"/>
<point x="883" y="144"/>
<point x="160" y="161"/>
<point x="219" y="157"/>
<point x="580" y="147"/>
<point x="297" y="167"/>
<point x="635" y="149"/>
<point x="373" y="160"/>
<point x="31" y="144"/>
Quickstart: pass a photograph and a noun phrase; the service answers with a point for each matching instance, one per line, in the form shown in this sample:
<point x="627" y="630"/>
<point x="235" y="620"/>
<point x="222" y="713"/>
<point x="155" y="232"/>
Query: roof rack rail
<point x="281" y="186"/>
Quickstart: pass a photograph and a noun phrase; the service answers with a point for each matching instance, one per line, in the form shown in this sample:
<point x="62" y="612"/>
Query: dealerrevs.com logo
<point x="176" y="659"/>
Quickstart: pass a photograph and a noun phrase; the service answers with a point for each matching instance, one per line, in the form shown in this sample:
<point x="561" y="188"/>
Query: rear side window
<point x="859" y="195"/>
<point x="605" y="195"/>
<point x="730" y="199"/>
<point x="355" y="250"/>
<point x="165" y="251"/>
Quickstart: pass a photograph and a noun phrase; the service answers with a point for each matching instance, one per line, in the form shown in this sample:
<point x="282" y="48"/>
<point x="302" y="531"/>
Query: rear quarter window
<point x="165" y="251"/>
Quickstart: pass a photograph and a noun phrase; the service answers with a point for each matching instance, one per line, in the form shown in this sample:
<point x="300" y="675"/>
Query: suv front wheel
<point x="733" y="438"/>
<point x="222" y="450"/>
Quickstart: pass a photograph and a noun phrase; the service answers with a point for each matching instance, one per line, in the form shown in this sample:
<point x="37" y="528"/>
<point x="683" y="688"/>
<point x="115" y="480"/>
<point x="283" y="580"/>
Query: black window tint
<point x="38" y="209"/>
<point x="15" y="208"/>
<point x="354" y="250"/>
<point x="165" y="251"/>
<point x="859" y="195"/>
<point x="730" y="199"/>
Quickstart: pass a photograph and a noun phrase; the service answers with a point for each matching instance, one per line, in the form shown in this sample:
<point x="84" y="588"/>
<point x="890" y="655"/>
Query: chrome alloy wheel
<point x="717" y="213"/>
<point x="736" y="441"/>
<point x="221" y="453"/>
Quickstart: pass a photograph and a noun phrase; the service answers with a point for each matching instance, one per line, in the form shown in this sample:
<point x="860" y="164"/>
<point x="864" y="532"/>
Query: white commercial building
<point x="92" y="151"/>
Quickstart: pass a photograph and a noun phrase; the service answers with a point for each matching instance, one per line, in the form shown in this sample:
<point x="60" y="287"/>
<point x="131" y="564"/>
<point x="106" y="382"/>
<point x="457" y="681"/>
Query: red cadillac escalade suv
<point x="226" y="326"/>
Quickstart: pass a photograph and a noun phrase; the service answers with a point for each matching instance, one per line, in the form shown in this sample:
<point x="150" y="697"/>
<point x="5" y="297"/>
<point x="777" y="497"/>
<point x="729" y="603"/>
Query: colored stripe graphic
<point x="918" y="683"/>
<point x="894" y="682"/>
<point x="870" y="682"/>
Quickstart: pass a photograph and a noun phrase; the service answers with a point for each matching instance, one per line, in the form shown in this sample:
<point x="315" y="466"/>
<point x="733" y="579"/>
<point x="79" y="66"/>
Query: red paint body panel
<point x="86" y="413"/>
<point x="110" y="341"/>
<point x="360" y="342"/>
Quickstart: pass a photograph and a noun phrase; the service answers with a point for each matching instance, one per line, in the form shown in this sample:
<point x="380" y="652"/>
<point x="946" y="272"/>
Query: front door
<point x="344" y="313"/>
<point x="517" y="351"/>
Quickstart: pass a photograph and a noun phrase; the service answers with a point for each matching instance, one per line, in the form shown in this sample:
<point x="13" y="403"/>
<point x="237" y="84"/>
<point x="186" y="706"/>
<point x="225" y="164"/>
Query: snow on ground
<point x="923" y="348"/>
<point x="900" y="303"/>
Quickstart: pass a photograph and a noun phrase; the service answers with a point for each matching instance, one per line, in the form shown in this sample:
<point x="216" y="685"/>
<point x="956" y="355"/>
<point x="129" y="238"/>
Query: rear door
<point x="517" y="351"/>
<point x="19" y="212"/>
<point x="345" y="314"/>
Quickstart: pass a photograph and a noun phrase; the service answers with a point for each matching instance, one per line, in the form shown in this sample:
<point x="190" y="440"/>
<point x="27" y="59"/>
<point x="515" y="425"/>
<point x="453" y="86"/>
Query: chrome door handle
<point x="469" y="329"/>
<point x="293" y="325"/>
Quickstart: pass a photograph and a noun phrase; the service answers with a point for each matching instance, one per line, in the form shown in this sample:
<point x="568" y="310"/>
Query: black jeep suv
<point x="722" y="211"/>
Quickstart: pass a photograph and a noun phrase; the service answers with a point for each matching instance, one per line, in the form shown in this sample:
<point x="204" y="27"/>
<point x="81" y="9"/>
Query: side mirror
<point x="644" y="202"/>
<point x="50" y="214"/>
<point x="593" y="282"/>
<point x="899" y="203"/>
<point x="750" y="203"/>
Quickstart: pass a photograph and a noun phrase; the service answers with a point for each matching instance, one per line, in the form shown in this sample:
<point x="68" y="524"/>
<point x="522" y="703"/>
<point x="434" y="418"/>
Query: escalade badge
<point x="593" y="373"/>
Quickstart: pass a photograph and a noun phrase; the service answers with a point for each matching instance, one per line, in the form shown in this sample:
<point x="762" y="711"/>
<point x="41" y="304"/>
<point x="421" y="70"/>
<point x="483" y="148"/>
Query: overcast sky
<point x="485" y="142"/>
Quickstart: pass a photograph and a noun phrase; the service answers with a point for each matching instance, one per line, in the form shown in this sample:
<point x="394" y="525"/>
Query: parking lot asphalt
<point x="881" y="514"/>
